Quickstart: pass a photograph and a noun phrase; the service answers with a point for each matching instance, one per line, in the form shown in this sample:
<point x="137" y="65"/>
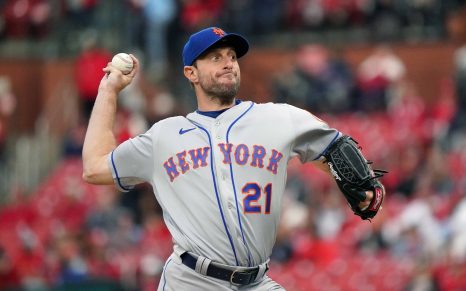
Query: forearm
<point x="100" y="138"/>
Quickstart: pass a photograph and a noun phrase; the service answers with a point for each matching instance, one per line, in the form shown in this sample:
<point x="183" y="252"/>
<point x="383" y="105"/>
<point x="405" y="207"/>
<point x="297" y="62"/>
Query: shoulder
<point x="170" y="121"/>
<point x="273" y="112"/>
<point x="289" y="112"/>
<point x="278" y="108"/>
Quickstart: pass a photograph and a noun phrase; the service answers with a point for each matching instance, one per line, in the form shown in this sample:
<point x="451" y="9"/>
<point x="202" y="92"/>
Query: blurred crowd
<point x="69" y="234"/>
<point x="37" y="18"/>
<point x="157" y="28"/>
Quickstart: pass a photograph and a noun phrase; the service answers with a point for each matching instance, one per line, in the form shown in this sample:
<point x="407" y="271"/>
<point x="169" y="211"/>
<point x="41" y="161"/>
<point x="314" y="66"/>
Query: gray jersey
<point x="220" y="181"/>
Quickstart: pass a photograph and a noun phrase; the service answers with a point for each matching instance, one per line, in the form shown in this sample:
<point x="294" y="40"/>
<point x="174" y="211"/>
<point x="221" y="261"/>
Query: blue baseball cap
<point x="201" y="41"/>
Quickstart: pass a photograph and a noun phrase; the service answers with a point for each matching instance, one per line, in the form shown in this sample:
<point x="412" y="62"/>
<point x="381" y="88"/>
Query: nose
<point x="228" y="63"/>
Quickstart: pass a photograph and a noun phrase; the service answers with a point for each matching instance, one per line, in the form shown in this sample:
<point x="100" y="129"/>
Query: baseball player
<point x="219" y="173"/>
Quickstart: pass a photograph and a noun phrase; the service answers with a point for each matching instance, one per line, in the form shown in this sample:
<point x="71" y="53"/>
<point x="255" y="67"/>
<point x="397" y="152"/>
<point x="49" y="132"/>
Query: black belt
<point x="238" y="277"/>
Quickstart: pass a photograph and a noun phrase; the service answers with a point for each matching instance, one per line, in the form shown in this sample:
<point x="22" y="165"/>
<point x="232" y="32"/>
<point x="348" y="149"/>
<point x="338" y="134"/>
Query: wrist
<point x="109" y="91"/>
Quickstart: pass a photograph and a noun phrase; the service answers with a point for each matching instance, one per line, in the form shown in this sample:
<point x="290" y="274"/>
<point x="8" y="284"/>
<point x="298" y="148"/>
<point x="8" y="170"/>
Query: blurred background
<point x="390" y="73"/>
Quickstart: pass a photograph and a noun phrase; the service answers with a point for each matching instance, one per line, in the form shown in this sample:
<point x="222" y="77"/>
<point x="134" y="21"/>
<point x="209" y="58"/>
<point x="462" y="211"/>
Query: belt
<point x="237" y="277"/>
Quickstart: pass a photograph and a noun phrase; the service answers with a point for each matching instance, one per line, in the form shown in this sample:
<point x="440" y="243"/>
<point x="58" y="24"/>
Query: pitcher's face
<point x="219" y="74"/>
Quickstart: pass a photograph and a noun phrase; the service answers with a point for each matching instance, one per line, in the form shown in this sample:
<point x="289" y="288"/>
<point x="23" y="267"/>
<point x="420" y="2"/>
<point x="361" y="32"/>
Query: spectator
<point x="80" y="13"/>
<point x="435" y="177"/>
<point x="336" y="12"/>
<point x="312" y="13"/>
<point x="456" y="223"/>
<point x="98" y="259"/>
<point x="9" y="278"/>
<point x="133" y="34"/>
<point x="331" y="215"/>
<point x="406" y="108"/>
<point x="73" y="142"/>
<point x="239" y="16"/>
<point x="158" y="14"/>
<point x="254" y="16"/>
<point x="410" y="163"/>
<point x="283" y="249"/>
<point x="162" y="104"/>
<point x="444" y="109"/>
<point x="415" y="233"/>
<point x="267" y="15"/>
<point x="73" y="266"/>
<point x="373" y="241"/>
<point x="318" y="82"/>
<point x="155" y="238"/>
<point x="310" y="246"/>
<point x="88" y="71"/>
<point x="422" y="279"/>
<point x="375" y="76"/>
<point x="7" y="108"/>
<point x="39" y="19"/>
<point x="386" y="20"/>
<point x="458" y="125"/>
<point x="26" y="18"/>
<point x="30" y="261"/>
<point x="426" y="14"/>
<point x="127" y="235"/>
<point x="155" y="246"/>
<point x="195" y="14"/>
<point x="104" y="217"/>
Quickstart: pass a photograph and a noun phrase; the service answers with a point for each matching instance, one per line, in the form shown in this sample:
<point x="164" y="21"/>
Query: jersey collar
<point x="216" y="113"/>
<point x="226" y="115"/>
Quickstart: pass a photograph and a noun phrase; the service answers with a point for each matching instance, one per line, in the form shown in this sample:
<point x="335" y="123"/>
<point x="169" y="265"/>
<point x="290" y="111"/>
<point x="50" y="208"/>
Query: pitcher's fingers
<point x="111" y="69"/>
<point x="135" y="65"/>
<point x="369" y="195"/>
<point x="107" y="68"/>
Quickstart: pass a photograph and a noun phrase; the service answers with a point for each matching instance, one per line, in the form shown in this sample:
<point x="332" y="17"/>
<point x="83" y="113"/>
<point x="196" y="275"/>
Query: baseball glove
<point x="354" y="176"/>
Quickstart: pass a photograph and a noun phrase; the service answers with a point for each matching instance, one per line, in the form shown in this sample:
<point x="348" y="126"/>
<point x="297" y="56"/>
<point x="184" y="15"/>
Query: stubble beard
<point x="224" y="93"/>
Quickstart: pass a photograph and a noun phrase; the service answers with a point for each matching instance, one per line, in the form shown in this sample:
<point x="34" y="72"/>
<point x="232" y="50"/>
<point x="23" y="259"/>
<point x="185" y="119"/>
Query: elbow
<point x="91" y="174"/>
<point x="88" y="176"/>
<point x="96" y="171"/>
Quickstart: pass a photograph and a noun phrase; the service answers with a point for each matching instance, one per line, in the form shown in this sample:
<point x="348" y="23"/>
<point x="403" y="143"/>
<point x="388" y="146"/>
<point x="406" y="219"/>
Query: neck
<point x="213" y="104"/>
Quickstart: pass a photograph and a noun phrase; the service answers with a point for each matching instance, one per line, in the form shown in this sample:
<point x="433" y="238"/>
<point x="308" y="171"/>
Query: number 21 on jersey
<point x="253" y="192"/>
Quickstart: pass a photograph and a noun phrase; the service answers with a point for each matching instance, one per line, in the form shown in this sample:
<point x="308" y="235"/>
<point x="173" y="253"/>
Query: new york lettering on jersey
<point x="243" y="155"/>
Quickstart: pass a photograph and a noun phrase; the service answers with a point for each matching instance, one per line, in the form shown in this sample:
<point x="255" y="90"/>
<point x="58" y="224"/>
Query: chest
<point x="243" y="145"/>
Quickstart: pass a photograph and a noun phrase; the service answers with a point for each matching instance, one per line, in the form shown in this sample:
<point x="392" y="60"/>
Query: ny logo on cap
<point x="218" y="31"/>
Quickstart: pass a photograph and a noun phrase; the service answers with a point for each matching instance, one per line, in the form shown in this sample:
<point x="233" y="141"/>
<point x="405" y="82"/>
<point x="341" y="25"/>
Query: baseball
<point x="123" y="62"/>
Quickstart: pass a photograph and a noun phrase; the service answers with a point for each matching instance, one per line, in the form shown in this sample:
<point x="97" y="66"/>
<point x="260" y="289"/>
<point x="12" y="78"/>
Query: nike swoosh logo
<point x="183" y="131"/>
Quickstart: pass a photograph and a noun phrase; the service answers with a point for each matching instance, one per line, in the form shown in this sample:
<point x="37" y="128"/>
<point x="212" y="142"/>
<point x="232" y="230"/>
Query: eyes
<point x="220" y="56"/>
<point x="217" y="57"/>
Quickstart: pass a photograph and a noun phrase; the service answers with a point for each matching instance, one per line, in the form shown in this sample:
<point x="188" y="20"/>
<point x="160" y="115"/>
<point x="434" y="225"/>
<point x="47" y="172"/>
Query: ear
<point x="190" y="72"/>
